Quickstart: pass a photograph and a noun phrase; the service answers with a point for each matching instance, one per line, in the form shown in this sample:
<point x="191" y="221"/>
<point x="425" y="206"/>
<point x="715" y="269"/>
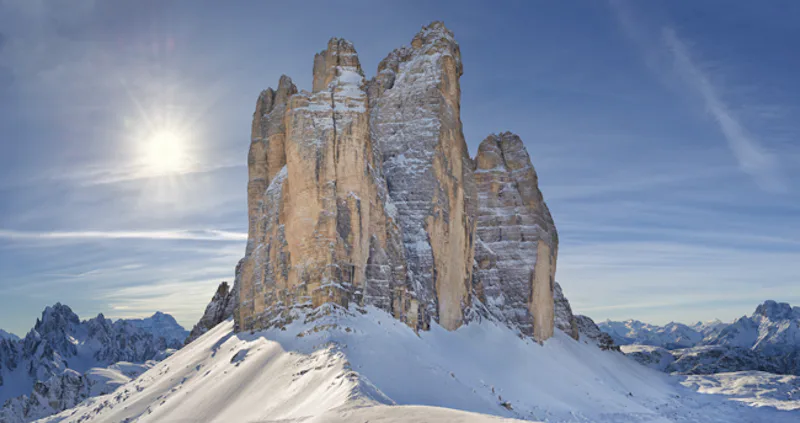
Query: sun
<point x="165" y="153"/>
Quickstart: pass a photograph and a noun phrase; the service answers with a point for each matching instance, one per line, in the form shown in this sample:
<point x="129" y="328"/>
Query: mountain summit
<point x="364" y="193"/>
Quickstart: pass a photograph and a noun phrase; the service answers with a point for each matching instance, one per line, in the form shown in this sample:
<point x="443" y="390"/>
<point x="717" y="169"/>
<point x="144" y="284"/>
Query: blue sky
<point x="665" y="135"/>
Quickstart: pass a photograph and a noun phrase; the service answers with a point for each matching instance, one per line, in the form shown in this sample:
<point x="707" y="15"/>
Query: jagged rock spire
<point x="323" y="233"/>
<point x="267" y="153"/>
<point x="415" y="119"/>
<point x="363" y="192"/>
<point x="516" y="254"/>
<point x="329" y="63"/>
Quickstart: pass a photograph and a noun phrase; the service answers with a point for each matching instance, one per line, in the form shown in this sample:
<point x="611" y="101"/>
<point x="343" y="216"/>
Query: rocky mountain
<point x="772" y="326"/>
<point x="364" y="193"/>
<point x="670" y="336"/>
<point x="51" y="368"/>
<point x="8" y="336"/>
<point x="710" y="327"/>
<point x="220" y="308"/>
<point x="768" y="340"/>
<point x="564" y="319"/>
<point x="162" y="325"/>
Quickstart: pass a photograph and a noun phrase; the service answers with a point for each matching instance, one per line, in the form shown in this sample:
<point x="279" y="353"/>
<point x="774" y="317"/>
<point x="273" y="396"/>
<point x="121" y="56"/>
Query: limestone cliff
<point x="322" y="233"/>
<point x="415" y="100"/>
<point x="364" y="193"/>
<point x="517" y="243"/>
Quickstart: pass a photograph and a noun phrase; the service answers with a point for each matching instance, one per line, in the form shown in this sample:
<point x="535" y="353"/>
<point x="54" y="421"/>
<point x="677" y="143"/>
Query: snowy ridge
<point x="354" y="365"/>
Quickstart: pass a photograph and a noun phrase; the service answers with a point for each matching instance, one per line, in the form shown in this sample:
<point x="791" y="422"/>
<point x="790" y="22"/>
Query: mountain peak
<point x="339" y="58"/>
<point x="774" y="310"/>
<point x="434" y="32"/>
<point x="56" y="316"/>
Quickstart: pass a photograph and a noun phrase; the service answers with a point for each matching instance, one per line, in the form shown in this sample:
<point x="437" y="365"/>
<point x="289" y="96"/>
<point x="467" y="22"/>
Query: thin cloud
<point x="188" y="235"/>
<point x="103" y="175"/>
<point x="661" y="49"/>
<point x="752" y="157"/>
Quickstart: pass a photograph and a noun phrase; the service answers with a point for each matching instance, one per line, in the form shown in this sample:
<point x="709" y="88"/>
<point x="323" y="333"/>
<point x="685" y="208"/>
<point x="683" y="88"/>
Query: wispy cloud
<point x="189" y="235"/>
<point x="101" y="175"/>
<point x="661" y="49"/>
<point x="752" y="157"/>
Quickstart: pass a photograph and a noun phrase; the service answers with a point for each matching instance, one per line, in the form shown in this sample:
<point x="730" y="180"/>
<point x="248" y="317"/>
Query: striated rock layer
<point x="415" y="101"/>
<point x="321" y="232"/>
<point x="518" y="243"/>
<point x="364" y="193"/>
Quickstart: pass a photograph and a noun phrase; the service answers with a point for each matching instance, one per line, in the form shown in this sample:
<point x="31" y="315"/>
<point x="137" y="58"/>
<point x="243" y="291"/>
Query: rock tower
<point x="364" y="193"/>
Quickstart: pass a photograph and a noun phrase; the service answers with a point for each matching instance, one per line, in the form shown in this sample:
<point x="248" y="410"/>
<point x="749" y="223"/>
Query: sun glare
<point x="165" y="153"/>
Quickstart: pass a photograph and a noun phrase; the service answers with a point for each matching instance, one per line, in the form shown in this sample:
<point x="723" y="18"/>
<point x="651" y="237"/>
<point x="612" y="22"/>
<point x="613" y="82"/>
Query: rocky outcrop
<point x="564" y="319"/>
<point x="364" y="193"/>
<point x="588" y="330"/>
<point x="219" y="309"/>
<point x="56" y="394"/>
<point x="517" y="239"/>
<point x="322" y="231"/>
<point x="162" y="325"/>
<point x="415" y="120"/>
<point x="9" y="357"/>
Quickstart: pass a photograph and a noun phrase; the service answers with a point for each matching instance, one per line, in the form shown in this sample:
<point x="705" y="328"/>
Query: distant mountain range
<point x="671" y="336"/>
<point x="64" y="360"/>
<point x="768" y="340"/>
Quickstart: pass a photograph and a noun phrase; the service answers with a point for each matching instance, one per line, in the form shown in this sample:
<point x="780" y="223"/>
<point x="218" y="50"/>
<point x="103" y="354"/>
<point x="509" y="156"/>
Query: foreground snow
<point x="372" y="367"/>
<point x="759" y="389"/>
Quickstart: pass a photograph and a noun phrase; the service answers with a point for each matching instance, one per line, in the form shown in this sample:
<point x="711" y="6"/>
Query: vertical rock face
<point x="415" y="101"/>
<point x="364" y="193"/>
<point x="267" y="155"/>
<point x="517" y="240"/>
<point x="322" y="228"/>
<point x="564" y="319"/>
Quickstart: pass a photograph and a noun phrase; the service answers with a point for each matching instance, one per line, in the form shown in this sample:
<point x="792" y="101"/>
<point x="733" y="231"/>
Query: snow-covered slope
<point x="106" y="380"/>
<point x="365" y="365"/>
<point x="651" y="356"/>
<point x="758" y="389"/>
